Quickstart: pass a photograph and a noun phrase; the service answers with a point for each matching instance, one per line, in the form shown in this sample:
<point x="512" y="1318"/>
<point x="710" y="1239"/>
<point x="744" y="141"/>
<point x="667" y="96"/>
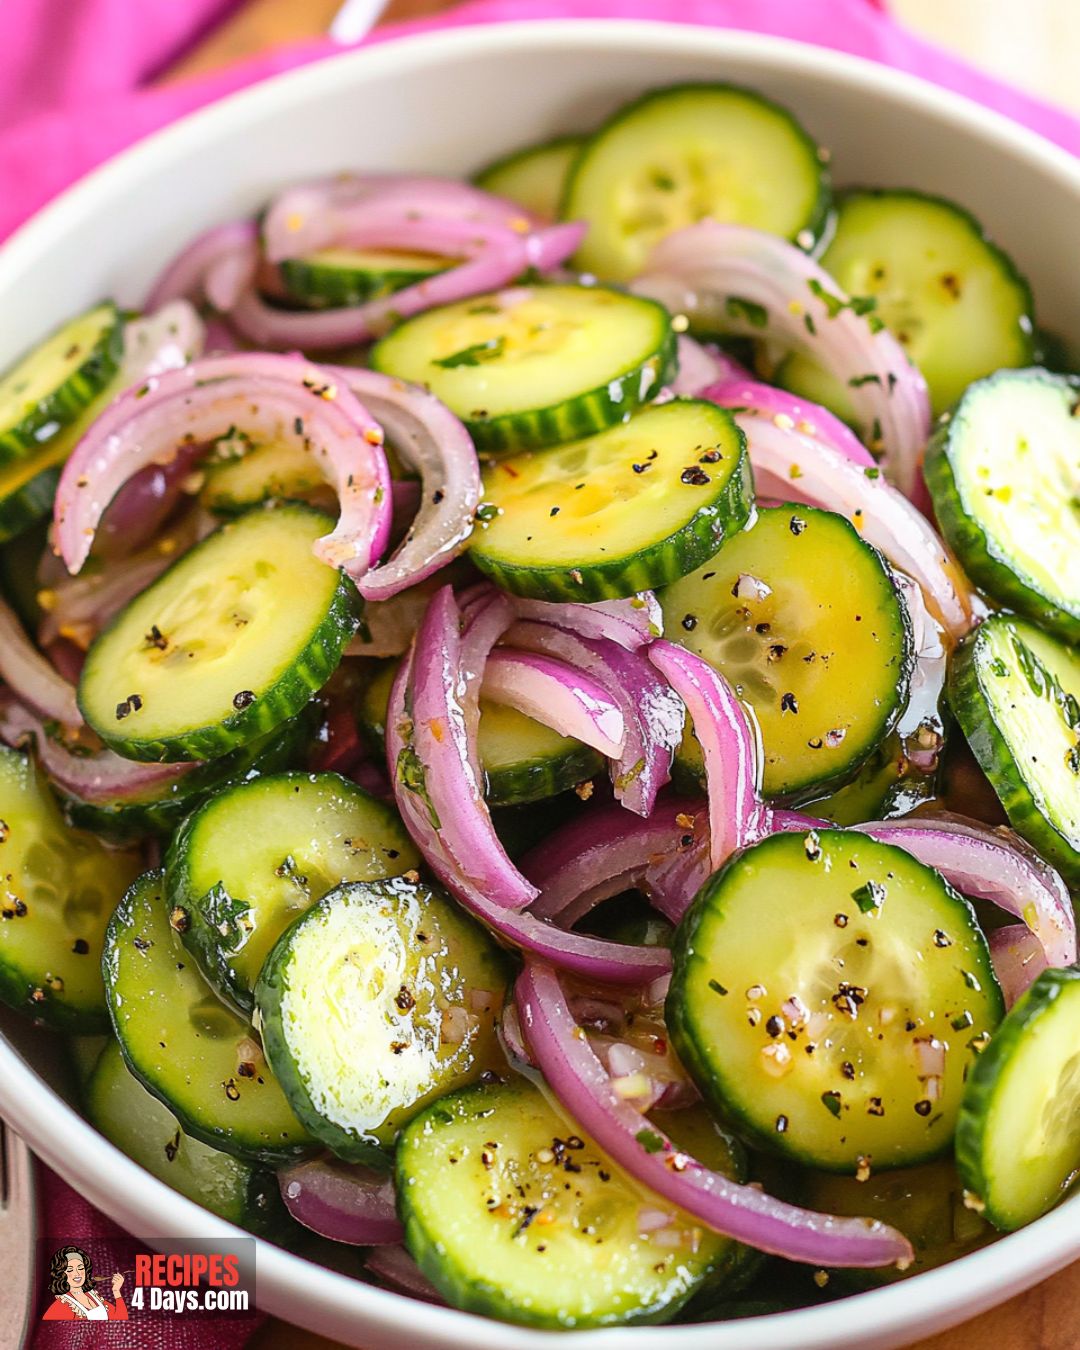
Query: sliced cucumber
<point x="1017" y="1144"/>
<point x="59" y="888"/>
<point x="523" y="760"/>
<point x="509" y="1212"/>
<point x="925" y="1203"/>
<point x="336" y="277"/>
<point x="1004" y="473"/>
<point x="264" y="473"/>
<point x="128" y="1116"/>
<point x="381" y="997"/>
<point x="536" y="365"/>
<point x="260" y="853"/>
<point x="229" y="643"/>
<point x="953" y="298"/>
<point x="183" y="1044"/>
<point x="19" y="560"/>
<point x="630" y="508"/>
<point x="51" y="384"/>
<point x="829" y="995"/>
<point x="805" y="619"/>
<point x="1016" y="694"/>
<point x="887" y="785"/>
<point x="535" y="178"/>
<point x="680" y="155"/>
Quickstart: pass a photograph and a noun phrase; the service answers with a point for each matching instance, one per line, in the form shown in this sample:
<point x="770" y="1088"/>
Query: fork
<point x="18" y="1231"/>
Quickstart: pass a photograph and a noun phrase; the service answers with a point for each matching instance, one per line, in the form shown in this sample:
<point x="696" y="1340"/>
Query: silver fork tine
<point x="18" y="1234"/>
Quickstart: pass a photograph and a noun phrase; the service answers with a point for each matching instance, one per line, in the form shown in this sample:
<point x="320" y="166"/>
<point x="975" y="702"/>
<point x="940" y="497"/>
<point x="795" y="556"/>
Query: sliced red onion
<point x="794" y="467"/>
<point x="98" y="777"/>
<point x="593" y="958"/>
<point x="699" y="367"/>
<point x="788" y="410"/>
<point x="993" y="864"/>
<point x="632" y="623"/>
<point x="342" y="1202"/>
<point x="920" y="727"/>
<point x="444" y="743"/>
<point x="271" y="398"/>
<point x="603" y="851"/>
<point x="730" y="744"/>
<point x="555" y="694"/>
<point x="396" y="1267"/>
<point x="580" y="1082"/>
<point x="186" y="275"/>
<point x="31" y="678"/>
<point x="431" y="440"/>
<point x="730" y="277"/>
<point x="166" y="339"/>
<point x="1019" y="959"/>
<point x="653" y="715"/>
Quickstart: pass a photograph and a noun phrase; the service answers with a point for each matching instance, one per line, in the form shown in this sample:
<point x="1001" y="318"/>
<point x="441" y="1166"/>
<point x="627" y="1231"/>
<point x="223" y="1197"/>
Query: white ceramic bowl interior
<point x="448" y="103"/>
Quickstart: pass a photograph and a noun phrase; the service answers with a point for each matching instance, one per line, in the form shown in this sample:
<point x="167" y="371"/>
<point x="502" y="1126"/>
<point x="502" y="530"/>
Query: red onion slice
<point x="580" y="1082"/>
<point x="593" y="958"/>
<point x="396" y="1267"/>
<point x="631" y="623"/>
<point x="557" y="695"/>
<point x="186" y="274"/>
<point x="653" y="715"/>
<point x="787" y="411"/>
<point x="699" y="367"/>
<point x="1019" y="959"/>
<point x="791" y="466"/>
<point x="345" y="1203"/>
<point x="993" y="865"/>
<point x="31" y="678"/>
<point x="431" y="440"/>
<point x="730" y="744"/>
<point x="707" y="269"/>
<point x="270" y="398"/>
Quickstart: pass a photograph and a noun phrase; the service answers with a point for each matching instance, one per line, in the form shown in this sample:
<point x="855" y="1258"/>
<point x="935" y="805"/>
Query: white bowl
<point x="448" y="102"/>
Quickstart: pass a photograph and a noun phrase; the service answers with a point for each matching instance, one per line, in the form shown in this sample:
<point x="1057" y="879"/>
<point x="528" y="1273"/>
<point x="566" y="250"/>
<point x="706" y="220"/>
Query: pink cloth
<point x="72" y="71"/>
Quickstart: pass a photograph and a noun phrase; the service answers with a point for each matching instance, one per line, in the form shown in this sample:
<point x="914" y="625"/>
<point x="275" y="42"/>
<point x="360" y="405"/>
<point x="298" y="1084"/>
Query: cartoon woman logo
<point x="71" y="1283"/>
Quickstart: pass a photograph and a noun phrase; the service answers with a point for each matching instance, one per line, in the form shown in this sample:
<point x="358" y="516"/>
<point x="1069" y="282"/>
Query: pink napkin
<point x="73" y="93"/>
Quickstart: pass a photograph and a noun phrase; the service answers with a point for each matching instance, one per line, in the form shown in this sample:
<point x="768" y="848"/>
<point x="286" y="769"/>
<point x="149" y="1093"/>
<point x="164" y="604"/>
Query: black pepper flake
<point x="554" y="511"/>
<point x="840" y="920"/>
<point x="694" y="476"/>
<point x="156" y="638"/>
<point x="298" y="425"/>
<point x="80" y="946"/>
<point x="437" y="496"/>
<point x="812" y="846"/>
<point x="231" y="1090"/>
<point x="781" y="1124"/>
<point x="404" y="999"/>
<point x="777" y="651"/>
<point x="923" y="1108"/>
<point x="874" y="1107"/>
<point x="244" y="699"/>
<point x="941" y="939"/>
<point x="172" y="1147"/>
<point x="775" y="1026"/>
<point x="528" y="1214"/>
<point x="689" y="622"/>
<point x="710" y="457"/>
<point x="815" y="742"/>
<point x="131" y="704"/>
<point x="179" y="920"/>
<point x="796" y="525"/>
<point x="717" y="988"/>
<point x="848" y="1069"/>
<point x="639" y="468"/>
<point x="789" y="703"/>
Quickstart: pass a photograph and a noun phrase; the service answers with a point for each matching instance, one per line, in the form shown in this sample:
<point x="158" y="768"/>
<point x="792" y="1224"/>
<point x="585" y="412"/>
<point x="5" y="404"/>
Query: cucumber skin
<point x="650" y="568"/>
<point x="982" y="1078"/>
<point x="123" y="822"/>
<point x="306" y="676"/>
<point x="820" y="214"/>
<point x="489" y="176"/>
<point x="577" y="417"/>
<point x="66" y="402"/>
<point x="28" y="504"/>
<point x="685" y="1042"/>
<point x="977" y="552"/>
<point x="965" y="693"/>
<point x="57" y="1014"/>
<point x="319" y="285"/>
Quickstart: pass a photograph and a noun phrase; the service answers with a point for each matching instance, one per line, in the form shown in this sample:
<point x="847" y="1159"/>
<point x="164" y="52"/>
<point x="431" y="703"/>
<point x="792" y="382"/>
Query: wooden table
<point x="1047" y="1317"/>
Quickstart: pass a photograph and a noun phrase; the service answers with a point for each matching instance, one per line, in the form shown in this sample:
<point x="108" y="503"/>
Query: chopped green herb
<point x="479" y="352"/>
<point x="757" y="316"/>
<point x="650" y="1141"/>
<point x="870" y="897"/>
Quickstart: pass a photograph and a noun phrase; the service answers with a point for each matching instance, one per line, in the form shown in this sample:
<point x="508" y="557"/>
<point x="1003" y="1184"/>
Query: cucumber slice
<point x="183" y="1044"/>
<point x="1017" y="1145"/>
<point x="160" y="813"/>
<point x="229" y="643"/>
<point x="510" y="1212"/>
<point x="535" y="178"/>
<point x="381" y="997"/>
<point x="680" y="155"/>
<point x="954" y="299"/>
<point x="336" y="277"/>
<point x="536" y="365"/>
<point x="128" y="1116"/>
<point x="630" y="508"/>
<point x="265" y="473"/>
<point x="1004" y="473"/>
<point x="523" y="760"/>
<point x="19" y="560"/>
<point x="804" y="618"/>
<point x="887" y="785"/>
<point x="925" y="1203"/>
<point x="260" y="853"/>
<point x="1016" y="693"/>
<point x="51" y="384"/>
<point x="842" y="1030"/>
<point x="59" y="889"/>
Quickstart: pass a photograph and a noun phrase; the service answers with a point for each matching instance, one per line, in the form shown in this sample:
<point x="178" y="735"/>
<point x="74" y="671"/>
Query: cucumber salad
<point x="541" y="725"/>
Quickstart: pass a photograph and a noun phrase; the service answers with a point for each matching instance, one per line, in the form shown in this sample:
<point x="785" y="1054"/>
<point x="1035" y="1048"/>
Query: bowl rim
<point x="289" y="1283"/>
